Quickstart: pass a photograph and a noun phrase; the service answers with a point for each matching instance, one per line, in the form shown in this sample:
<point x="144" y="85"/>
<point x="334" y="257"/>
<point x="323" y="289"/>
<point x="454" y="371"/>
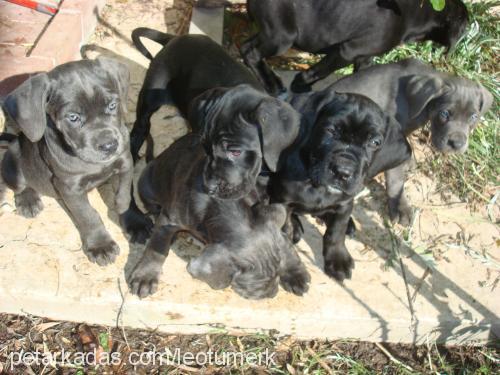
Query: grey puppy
<point x="245" y="246"/>
<point x="72" y="139"/>
<point x="415" y="93"/>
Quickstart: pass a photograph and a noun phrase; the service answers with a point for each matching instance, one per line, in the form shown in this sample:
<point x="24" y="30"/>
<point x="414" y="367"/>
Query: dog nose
<point x="343" y="171"/>
<point x="457" y="140"/>
<point x="108" y="147"/>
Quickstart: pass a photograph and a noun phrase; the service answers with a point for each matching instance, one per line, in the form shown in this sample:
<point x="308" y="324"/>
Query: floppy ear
<point x="214" y="266"/>
<point x="280" y="125"/>
<point x="420" y="90"/>
<point x="120" y="73"/>
<point x="394" y="151"/>
<point x="486" y="99"/>
<point x="275" y="213"/>
<point x="26" y="105"/>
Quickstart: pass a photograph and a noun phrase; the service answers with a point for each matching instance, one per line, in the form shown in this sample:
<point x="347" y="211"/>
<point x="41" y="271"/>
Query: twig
<point x="119" y="314"/>
<point x="392" y="358"/>
<point x="320" y="361"/>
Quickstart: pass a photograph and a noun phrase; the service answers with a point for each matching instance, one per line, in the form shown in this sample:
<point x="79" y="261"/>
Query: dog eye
<point x="474" y="117"/>
<point x="234" y="153"/>
<point x="112" y="106"/>
<point x="375" y="142"/>
<point x="333" y="132"/>
<point x="74" y="118"/>
<point x="444" y="114"/>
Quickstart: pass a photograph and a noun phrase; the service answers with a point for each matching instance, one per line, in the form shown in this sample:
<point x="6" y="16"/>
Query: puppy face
<point x="452" y="104"/>
<point x="346" y="134"/>
<point x="82" y="101"/>
<point x="242" y="129"/>
<point x="249" y="262"/>
<point x="234" y="160"/>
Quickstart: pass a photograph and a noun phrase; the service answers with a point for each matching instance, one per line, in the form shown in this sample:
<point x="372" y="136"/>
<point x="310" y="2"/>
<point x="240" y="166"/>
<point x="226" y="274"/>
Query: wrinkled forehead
<point x="462" y="100"/>
<point x="362" y="117"/>
<point x="82" y="90"/>
<point x="235" y="129"/>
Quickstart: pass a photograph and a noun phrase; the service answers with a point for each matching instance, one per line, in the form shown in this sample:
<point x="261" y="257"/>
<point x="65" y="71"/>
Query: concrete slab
<point x="450" y="256"/>
<point x="208" y="22"/>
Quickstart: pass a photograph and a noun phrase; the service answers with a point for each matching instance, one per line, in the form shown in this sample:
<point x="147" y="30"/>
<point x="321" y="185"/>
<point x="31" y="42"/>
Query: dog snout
<point x="108" y="146"/>
<point x="457" y="141"/>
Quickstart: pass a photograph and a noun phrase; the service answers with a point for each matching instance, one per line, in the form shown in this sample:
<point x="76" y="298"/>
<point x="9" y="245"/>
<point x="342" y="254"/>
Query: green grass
<point x="474" y="175"/>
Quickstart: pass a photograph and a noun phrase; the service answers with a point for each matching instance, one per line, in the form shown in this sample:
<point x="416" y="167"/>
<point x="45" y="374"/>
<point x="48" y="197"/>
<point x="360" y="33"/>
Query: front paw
<point x="296" y="281"/>
<point x="400" y="212"/>
<point x="137" y="225"/>
<point x="144" y="279"/>
<point x="102" y="253"/>
<point x="28" y="203"/>
<point x="299" y="85"/>
<point x="339" y="265"/>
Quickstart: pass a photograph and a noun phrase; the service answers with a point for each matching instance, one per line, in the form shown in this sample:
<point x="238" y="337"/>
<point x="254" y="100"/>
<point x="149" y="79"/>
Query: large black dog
<point x="345" y="139"/>
<point x="415" y="93"/>
<point x="72" y="139"/>
<point x="242" y="128"/>
<point x="245" y="246"/>
<point x="346" y="31"/>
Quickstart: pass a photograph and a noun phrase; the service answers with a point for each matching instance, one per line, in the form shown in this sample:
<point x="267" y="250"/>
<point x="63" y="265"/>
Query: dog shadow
<point x="427" y="283"/>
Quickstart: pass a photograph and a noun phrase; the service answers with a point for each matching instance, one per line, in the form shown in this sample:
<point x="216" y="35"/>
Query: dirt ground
<point x="443" y="226"/>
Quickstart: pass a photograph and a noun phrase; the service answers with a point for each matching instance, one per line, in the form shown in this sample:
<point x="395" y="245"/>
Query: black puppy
<point x="240" y="125"/>
<point x="346" y="31"/>
<point x="73" y="139"/>
<point x="345" y="139"/>
<point x="245" y="246"/>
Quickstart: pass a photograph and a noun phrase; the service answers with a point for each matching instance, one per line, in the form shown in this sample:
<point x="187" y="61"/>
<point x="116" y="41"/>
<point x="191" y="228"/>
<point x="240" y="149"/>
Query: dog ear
<point x="275" y="213"/>
<point x="214" y="266"/>
<point x="420" y="90"/>
<point x="26" y="105"/>
<point x="394" y="151"/>
<point x="120" y="74"/>
<point x="280" y="125"/>
<point x="486" y="99"/>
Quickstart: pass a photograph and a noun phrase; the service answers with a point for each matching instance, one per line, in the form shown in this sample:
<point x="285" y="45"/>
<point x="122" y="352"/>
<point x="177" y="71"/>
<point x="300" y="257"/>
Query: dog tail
<point x="154" y="35"/>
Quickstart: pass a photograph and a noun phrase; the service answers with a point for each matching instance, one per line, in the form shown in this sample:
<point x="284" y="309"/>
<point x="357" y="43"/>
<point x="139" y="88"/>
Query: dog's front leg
<point x="143" y="280"/>
<point x="132" y="220"/>
<point x="294" y="277"/>
<point x="97" y="244"/>
<point x="399" y="208"/>
<point x="338" y="261"/>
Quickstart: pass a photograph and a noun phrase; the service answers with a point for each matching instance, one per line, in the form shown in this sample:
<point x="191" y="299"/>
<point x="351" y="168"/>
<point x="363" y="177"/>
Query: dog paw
<point x="102" y="254"/>
<point x="28" y="203"/>
<point x="137" y="225"/>
<point x="400" y="212"/>
<point x="144" y="280"/>
<point x="339" y="266"/>
<point x="296" y="281"/>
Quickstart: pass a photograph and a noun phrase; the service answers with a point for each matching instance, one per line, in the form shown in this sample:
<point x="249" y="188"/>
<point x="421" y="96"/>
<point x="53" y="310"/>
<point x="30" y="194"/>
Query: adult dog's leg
<point x="96" y="242"/>
<point x="254" y="51"/>
<point x="294" y="277"/>
<point x="338" y="261"/>
<point x="330" y="63"/>
<point x="399" y="208"/>
<point x="143" y="280"/>
<point x="27" y="200"/>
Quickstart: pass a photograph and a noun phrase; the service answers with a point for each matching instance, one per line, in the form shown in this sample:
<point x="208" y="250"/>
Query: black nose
<point x="457" y="140"/>
<point x="108" y="147"/>
<point x="344" y="171"/>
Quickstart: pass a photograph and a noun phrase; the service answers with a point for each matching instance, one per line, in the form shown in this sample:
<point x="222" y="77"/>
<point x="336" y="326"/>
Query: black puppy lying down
<point x="345" y="139"/>
<point x="242" y="128"/>
<point x="346" y="31"/>
<point x="245" y="246"/>
<point x="73" y="138"/>
<point x="415" y="93"/>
